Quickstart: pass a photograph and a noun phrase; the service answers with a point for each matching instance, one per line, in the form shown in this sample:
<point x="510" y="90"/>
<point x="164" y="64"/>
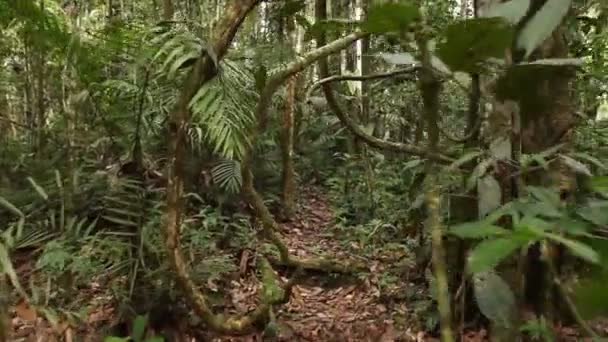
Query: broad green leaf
<point x="541" y="209"/>
<point x="546" y="195"/>
<point x="412" y="164"/>
<point x="139" y="328"/>
<point x="495" y="298"/>
<point x="507" y="209"/>
<point x="542" y="25"/>
<point x="512" y="11"/>
<point x="577" y="248"/>
<point x="490" y="195"/>
<point x="468" y="43"/>
<point x="403" y="58"/>
<point x="574" y="227"/>
<point x="391" y="17"/>
<point x="477" y="230"/>
<point x="532" y="225"/>
<point x="467" y="157"/>
<point x="595" y="212"/>
<point x="576" y="166"/>
<point x="489" y="253"/>
<point x="590" y="159"/>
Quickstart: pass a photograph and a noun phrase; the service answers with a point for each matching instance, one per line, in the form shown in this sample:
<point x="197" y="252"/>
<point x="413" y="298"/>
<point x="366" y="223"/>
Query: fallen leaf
<point x="25" y="311"/>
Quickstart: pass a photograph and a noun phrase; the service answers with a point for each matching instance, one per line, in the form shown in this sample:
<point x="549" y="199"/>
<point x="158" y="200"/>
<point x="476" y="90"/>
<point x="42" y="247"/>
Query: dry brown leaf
<point x="25" y="311"/>
<point x="244" y="262"/>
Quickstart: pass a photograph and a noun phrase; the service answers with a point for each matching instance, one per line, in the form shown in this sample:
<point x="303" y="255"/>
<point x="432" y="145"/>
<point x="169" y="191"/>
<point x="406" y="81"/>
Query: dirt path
<point x="328" y="307"/>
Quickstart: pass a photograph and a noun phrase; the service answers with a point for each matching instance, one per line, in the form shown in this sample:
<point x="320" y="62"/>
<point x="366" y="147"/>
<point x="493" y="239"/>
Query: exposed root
<point x="270" y="227"/>
<point x="320" y="264"/>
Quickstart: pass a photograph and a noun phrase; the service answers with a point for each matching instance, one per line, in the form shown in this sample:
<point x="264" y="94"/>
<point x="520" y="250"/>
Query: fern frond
<point x="227" y="174"/>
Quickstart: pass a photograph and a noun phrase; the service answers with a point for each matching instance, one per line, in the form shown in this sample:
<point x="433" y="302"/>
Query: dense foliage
<point x="168" y="164"/>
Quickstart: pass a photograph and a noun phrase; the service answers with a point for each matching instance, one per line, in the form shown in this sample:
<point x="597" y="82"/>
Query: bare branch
<point x="362" y="78"/>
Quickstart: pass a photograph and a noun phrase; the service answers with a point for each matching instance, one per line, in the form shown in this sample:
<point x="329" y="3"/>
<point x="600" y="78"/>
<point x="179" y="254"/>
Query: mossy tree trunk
<point x="288" y="176"/>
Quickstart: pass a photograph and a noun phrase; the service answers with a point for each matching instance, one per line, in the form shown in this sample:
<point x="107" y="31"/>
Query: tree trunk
<point x="547" y="121"/>
<point x="203" y="70"/>
<point x="168" y="10"/>
<point x="288" y="181"/>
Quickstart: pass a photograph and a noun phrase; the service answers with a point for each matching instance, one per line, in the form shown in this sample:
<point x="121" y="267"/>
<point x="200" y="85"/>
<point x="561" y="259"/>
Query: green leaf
<point x="467" y="157"/>
<point x="545" y="195"/>
<point x="488" y="254"/>
<point x="508" y="209"/>
<point x="532" y="225"/>
<point x="576" y="166"/>
<point x="10" y="207"/>
<point x="391" y="17"/>
<point x="468" y="43"/>
<point x="182" y="62"/>
<point x="9" y="270"/>
<point x="574" y="227"/>
<point x="595" y="212"/>
<point x="477" y="230"/>
<point x="412" y="164"/>
<point x="38" y="188"/>
<point x="542" y="25"/>
<point x="116" y="339"/>
<point x="403" y="58"/>
<point x="119" y="221"/>
<point x="577" y="248"/>
<point x="139" y="328"/>
<point x="495" y="298"/>
<point x="541" y="209"/>
<point x="512" y="11"/>
<point x="590" y="159"/>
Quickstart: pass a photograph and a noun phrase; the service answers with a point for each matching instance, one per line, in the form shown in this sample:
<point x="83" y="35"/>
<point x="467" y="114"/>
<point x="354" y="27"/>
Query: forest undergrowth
<point x="390" y="301"/>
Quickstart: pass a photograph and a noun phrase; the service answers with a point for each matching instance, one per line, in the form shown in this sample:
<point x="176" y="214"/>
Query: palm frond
<point x="227" y="174"/>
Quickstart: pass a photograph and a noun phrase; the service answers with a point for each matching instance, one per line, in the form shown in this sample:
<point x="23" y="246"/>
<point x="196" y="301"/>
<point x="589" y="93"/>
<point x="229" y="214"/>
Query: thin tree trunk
<point x="288" y="196"/>
<point x="40" y="108"/>
<point x="168" y="10"/>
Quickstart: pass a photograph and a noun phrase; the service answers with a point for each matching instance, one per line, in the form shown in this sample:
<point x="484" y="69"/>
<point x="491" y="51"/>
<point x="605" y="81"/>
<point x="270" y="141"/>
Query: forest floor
<point x="322" y="307"/>
<point x="332" y="308"/>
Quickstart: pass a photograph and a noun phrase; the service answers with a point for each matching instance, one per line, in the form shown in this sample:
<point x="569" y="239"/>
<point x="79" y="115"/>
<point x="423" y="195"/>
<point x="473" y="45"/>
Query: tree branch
<point x="362" y="78"/>
<point x="350" y="124"/>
